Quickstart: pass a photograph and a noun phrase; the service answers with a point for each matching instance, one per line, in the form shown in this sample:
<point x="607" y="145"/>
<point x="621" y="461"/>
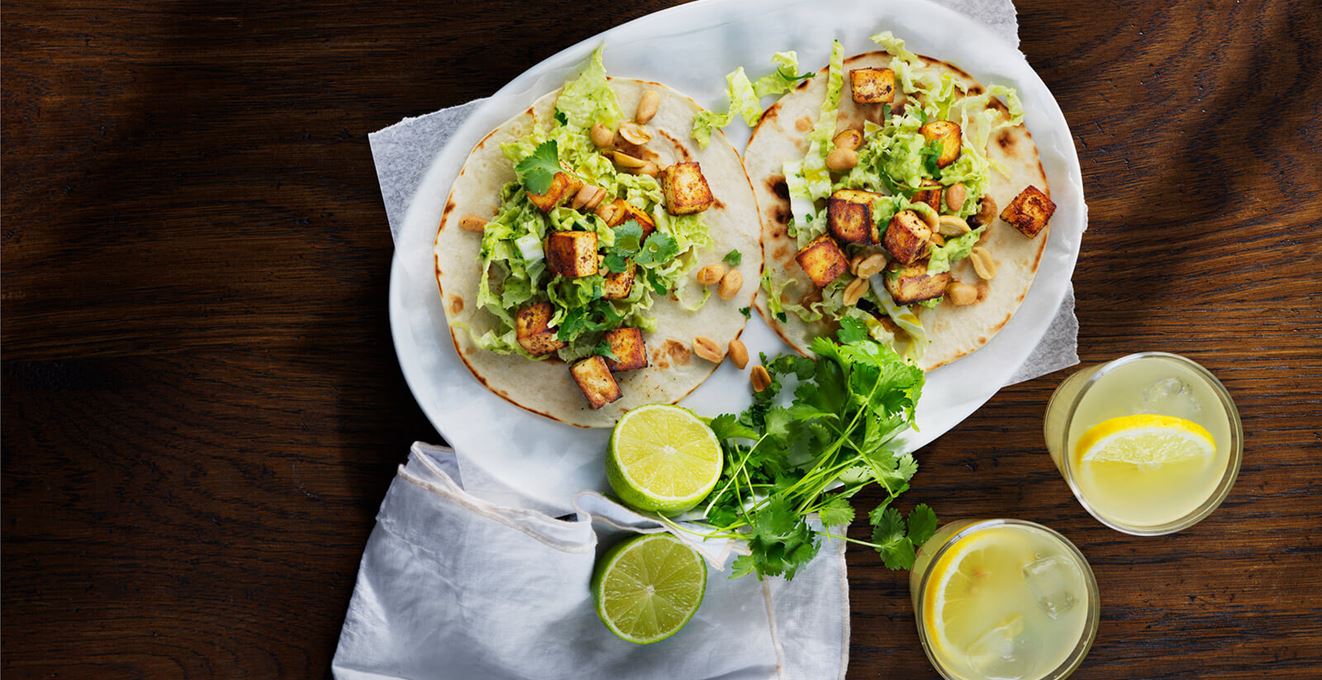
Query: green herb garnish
<point x="733" y="258"/>
<point x="537" y="171"/>
<point x="786" y="462"/>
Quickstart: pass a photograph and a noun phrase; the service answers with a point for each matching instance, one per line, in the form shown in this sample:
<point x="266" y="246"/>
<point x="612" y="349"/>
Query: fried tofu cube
<point x="629" y="349"/>
<point x="822" y="260"/>
<point x="572" y="253"/>
<point x="849" y="213"/>
<point x="618" y="285"/>
<point x="1029" y="211"/>
<point x="620" y="211"/>
<point x="930" y="195"/>
<point x="563" y="187"/>
<point x="872" y="85"/>
<point x="907" y="236"/>
<point x="949" y="136"/>
<point x="910" y="283"/>
<point x="685" y="189"/>
<point x="596" y="381"/>
<point x="533" y="331"/>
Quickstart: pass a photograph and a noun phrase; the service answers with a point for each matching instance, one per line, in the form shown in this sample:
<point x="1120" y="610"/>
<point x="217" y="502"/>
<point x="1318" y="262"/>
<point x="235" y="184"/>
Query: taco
<point x="880" y="183"/>
<point x="568" y="251"/>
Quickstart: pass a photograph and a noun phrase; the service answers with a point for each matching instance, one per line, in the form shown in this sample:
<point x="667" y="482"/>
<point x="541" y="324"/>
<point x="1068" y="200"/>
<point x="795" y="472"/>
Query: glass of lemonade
<point x="1149" y="443"/>
<point x="1003" y="599"/>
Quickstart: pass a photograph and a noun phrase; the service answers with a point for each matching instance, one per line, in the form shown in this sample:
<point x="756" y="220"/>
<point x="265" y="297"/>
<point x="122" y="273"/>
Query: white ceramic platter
<point x="691" y="48"/>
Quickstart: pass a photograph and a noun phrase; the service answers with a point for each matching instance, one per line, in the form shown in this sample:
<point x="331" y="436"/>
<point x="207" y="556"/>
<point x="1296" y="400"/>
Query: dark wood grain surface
<point x="202" y="406"/>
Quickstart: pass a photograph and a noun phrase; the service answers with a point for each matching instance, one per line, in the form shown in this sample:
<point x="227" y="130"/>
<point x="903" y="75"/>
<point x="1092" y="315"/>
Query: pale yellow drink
<point x="1193" y="435"/>
<point x="1003" y="600"/>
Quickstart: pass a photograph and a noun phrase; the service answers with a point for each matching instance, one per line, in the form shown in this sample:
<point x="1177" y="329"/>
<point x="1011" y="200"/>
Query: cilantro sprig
<point x="537" y="171"/>
<point x="834" y="438"/>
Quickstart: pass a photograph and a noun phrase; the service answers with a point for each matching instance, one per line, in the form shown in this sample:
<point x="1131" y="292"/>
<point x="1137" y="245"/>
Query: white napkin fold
<point x="453" y="586"/>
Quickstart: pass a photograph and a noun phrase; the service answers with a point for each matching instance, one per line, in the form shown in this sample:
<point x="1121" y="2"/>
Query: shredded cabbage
<point x="953" y="251"/>
<point x="744" y="96"/>
<point x="808" y="180"/>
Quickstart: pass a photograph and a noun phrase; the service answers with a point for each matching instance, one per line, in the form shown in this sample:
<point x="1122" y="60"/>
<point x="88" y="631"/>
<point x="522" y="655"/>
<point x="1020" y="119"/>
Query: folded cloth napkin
<point x="452" y="586"/>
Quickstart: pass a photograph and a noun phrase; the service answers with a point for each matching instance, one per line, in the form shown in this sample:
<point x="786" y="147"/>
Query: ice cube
<point x="1170" y="396"/>
<point x="1002" y="652"/>
<point x="1053" y="580"/>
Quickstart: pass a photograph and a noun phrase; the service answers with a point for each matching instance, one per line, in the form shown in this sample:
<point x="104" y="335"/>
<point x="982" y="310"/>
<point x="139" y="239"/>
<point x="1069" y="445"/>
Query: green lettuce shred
<point x="744" y="96"/>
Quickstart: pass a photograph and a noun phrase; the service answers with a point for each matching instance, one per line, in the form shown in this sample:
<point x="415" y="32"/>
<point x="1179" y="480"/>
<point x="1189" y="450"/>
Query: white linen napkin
<point x="453" y="586"/>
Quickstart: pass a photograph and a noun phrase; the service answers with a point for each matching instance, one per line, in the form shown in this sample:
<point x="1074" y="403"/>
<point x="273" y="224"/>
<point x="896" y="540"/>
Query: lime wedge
<point x="663" y="458"/>
<point x="1145" y="439"/>
<point x="648" y="587"/>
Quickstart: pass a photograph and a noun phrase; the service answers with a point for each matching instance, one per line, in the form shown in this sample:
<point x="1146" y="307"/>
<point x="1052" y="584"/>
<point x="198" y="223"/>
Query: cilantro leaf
<point x="628" y="237"/>
<point x="538" y="170"/>
<point x="888" y="532"/>
<point x="836" y="512"/>
<point x="733" y="258"/>
<point x="930" y="153"/>
<point x="658" y="249"/>
<point x="922" y="524"/>
<point x="561" y="118"/>
<point x="746" y="311"/>
<point x="852" y="331"/>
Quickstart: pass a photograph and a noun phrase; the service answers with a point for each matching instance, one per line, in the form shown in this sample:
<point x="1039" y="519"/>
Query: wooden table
<point x="202" y="407"/>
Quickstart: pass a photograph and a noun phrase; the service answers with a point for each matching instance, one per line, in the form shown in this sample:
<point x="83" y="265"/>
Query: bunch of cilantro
<point x="819" y="434"/>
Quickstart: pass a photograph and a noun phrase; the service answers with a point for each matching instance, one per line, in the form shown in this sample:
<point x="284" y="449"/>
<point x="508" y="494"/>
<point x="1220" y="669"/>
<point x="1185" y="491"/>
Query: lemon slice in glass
<point x="1145" y="439"/>
<point x="969" y="574"/>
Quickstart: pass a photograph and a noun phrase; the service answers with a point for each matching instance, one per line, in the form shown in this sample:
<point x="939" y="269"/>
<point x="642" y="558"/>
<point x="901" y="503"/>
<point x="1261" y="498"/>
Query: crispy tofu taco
<point x="569" y="250"/>
<point x="896" y="191"/>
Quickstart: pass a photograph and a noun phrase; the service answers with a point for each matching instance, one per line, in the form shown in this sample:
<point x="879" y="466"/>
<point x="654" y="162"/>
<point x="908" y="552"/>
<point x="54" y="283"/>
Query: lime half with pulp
<point x="648" y="587"/>
<point x="663" y="458"/>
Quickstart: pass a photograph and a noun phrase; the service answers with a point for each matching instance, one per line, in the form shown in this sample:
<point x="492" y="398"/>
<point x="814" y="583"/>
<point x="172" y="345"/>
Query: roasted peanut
<point x="473" y="223"/>
<point x="854" y="291"/>
<point x="711" y="274"/>
<point x="635" y="133"/>
<point x="760" y="378"/>
<point x="730" y="284"/>
<point x="596" y="199"/>
<point x="982" y="262"/>
<point x="949" y="225"/>
<point x="929" y="218"/>
<point x="870" y="266"/>
<point x="585" y="194"/>
<point x="707" y="349"/>
<point x="848" y="139"/>
<point x="841" y="160"/>
<point x="960" y="293"/>
<point x="601" y="136"/>
<point x="986" y="212"/>
<point x="649" y="168"/>
<point x="608" y="211"/>
<point x="648" y="104"/>
<point x="955" y="195"/>
<point x="626" y="161"/>
<point x="738" y="353"/>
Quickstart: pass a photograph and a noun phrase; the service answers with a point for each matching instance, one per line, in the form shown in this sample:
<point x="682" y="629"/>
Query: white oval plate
<point x="692" y="47"/>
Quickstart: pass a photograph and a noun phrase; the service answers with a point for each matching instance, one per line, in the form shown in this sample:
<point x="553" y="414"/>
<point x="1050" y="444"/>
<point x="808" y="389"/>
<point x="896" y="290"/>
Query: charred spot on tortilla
<point x="456" y="304"/>
<point x="803" y="124"/>
<point x="779" y="186"/>
<point x="678" y="352"/>
<point x="1005" y="139"/>
<point x="680" y="149"/>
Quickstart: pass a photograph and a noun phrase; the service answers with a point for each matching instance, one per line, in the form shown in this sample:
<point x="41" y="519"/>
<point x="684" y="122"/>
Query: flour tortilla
<point x="954" y="331"/>
<point x="545" y="387"/>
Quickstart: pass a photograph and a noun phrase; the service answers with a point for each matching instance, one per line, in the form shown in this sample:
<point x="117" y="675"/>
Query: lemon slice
<point x="976" y="567"/>
<point x="663" y="458"/>
<point x="1145" y="439"/>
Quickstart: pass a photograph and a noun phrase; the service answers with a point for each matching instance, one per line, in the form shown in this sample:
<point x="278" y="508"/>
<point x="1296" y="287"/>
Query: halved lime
<point x="648" y="587"/>
<point x="663" y="458"/>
